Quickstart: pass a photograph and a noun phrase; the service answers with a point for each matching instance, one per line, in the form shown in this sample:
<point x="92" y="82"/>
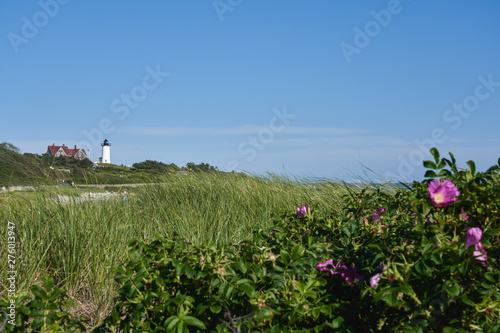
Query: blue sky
<point x="317" y="88"/>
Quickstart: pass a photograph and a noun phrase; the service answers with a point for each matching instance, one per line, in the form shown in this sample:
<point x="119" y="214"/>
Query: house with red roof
<point x="66" y="151"/>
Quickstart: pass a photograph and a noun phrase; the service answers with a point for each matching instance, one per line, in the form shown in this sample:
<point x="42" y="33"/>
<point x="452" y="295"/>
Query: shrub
<point x="156" y="166"/>
<point x="423" y="258"/>
<point x="46" y="312"/>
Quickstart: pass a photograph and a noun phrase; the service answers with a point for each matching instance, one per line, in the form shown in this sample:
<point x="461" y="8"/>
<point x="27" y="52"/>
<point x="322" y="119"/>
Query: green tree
<point x="155" y="166"/>
<point x="10" y="146"/>
<point x="200" y="167"/>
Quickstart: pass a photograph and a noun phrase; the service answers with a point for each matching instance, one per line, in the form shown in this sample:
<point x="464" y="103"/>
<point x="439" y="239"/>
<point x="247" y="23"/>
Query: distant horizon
<point x="333" y="89"/>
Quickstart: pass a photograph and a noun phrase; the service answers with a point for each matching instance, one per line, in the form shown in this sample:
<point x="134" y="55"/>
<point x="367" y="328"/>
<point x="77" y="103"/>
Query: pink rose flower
<point x="473" y="238"/>
<point x="376" y="216"/>
<point x="301" y="212"/>
<point x="442" y="194"/>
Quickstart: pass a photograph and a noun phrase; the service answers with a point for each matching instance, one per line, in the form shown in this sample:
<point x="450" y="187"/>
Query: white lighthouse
<point x="106" y="152"/>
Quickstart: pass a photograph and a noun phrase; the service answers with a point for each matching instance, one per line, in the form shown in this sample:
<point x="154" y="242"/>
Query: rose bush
<point x="415" y="264"/>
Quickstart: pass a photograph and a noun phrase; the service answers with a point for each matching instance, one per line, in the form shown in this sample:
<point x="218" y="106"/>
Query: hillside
<point x="25" y="169"/>
<point x="33" y="169"/>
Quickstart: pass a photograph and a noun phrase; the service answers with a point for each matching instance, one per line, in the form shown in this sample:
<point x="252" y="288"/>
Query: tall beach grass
<point x="80" y="241"/>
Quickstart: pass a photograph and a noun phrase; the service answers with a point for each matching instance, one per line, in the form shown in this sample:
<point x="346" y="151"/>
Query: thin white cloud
<point x="342" y="141"/>
<point x="334" y="131"/>
<point x="233" y="131"/>
<point x="467" y="140"/>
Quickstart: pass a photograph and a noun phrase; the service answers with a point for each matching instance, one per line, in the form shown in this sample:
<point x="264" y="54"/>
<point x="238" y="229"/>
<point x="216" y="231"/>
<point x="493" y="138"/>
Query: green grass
<point x="113" y="174"/>
<point x="79" y="242"/>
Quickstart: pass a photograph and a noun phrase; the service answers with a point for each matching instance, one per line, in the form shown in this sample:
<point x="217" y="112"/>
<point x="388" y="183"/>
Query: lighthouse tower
<point x="106" y="154"/>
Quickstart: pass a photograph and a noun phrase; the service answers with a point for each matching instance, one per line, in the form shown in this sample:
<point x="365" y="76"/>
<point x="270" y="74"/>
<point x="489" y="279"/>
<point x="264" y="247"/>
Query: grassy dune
<point x="80" y="240"/>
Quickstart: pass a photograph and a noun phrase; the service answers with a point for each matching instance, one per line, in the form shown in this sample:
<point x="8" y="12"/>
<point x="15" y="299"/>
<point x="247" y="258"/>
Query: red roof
<point x="52" y="150"/>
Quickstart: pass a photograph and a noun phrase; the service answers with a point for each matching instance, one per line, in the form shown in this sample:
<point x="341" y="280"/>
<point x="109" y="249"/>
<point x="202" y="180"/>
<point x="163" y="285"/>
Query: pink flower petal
<point x="301" y="212"/>
<point x="443" y="194"/>
<point x="374" y="280"/>
<point x="434" y="185"/>
<point x="473" y="236"/>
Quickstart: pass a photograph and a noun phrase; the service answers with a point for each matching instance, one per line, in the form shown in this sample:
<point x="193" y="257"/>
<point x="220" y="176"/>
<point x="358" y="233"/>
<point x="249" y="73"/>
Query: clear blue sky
<point x="311" y="88"/>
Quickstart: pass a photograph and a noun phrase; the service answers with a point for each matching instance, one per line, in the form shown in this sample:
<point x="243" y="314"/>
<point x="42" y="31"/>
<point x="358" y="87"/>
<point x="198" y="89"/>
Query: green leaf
<point x="310" y="241"/>
<point x="453" y="160"/>
<point x="48" y="282"/>
<point x="215" y="308"/>
<point x="215" y="283"/>
<point x="430" y="165"/>
<point x="180" y="269"/>
<point x="467" y="301"/>
<point x="472" y="167"/>
<point x="490" y="276"/>
<point x="452" y="288"/>
<point x="243" y="281"/>
<point x="276" y="329"/>
<point x="435" y="153"/>
<point x="241" y="266"/>
<point x="309" y="284"/>
<point x="426" y="208"/>
<point x="182" y="328"/>
<point x="229" y="291"/>
<point x="23" y="309"/>
<point x="419" y="228"/>
<point x="429" y="247"/>
<point x="436" y="258"/>
<point x="430" y="174"/>
<point x="36" y="304"/>
<point x="171" y="323"/>
<point x="297" y="252"/>
<point x="55" y="294"/>
<point x="284" y="257"/>
<point x="192" y="321"/>
<point x="160" y="237"/>
<point x="391" y="299"/>
<point x="486" y="242"/>
<point x="315" y="312"/>
<point x="337" y="322"/>
<point x="379" y="257"/>
<point x="346" y="231"/>
<point x="444" y="173"/>
<point x="37" y="322"/>
<point x="39" y="292"/>
<point x="491" y="231"/>
<point x="121" y="279"/>
<point x="248" y="289"/>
